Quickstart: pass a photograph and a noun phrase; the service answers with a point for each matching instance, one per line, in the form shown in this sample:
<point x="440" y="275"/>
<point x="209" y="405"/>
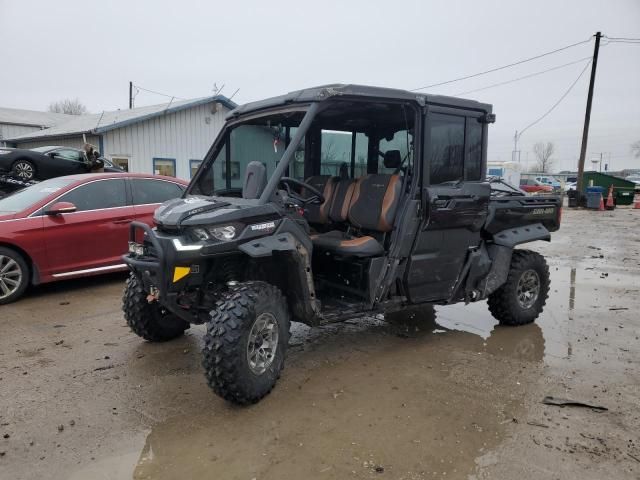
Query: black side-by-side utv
<point x="324" y="204"/>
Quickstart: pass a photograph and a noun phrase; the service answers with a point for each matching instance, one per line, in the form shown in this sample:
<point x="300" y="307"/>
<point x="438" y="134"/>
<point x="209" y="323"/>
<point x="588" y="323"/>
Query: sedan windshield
<point x="42" y="149"/>
<point x="23" y="199"/>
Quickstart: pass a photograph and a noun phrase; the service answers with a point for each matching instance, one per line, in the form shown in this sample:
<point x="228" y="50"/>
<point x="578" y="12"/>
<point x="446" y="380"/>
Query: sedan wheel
<point x="24" y="170"/>
<point x="14" y="275"/>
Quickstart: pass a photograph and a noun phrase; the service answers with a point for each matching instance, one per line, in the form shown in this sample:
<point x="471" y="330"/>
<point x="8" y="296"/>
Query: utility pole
<point x="600" y="162"/>
<point x="515" y="156"/>
<point x="130" y="95"/>
<point x="587" y="115"/>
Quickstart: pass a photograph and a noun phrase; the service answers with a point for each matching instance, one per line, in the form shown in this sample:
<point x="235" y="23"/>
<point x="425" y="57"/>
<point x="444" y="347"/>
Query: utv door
<point x="455" y="198"/>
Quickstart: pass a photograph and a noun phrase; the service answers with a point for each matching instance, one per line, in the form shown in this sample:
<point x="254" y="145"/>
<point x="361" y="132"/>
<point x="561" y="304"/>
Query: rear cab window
<point x="454" y="147"/>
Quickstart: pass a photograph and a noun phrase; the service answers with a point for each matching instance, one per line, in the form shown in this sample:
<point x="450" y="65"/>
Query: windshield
<point x="263" y="139"/>
<point x="42" y="149"/>
<point x="23" y="199"/>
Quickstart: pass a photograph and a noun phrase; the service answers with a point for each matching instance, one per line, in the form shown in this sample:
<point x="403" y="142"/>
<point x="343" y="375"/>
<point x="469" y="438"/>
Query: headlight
<point x="4" y="152"/>
<point x="200" y="234"/>
<point x="226" y="233"/>
<point x="136" y="249"/>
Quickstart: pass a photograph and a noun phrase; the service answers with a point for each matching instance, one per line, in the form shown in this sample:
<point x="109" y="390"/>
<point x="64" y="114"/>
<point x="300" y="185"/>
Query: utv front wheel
<point x="245" y="342"/>
<point x="149" y="320"/>
<point x="523" y="296"/>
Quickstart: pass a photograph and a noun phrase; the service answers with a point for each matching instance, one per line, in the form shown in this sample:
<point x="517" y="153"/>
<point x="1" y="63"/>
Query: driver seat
<point x="255" y="180"/>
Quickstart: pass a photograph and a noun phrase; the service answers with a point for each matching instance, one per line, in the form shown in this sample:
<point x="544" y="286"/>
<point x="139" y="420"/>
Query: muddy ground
<point x="427" y="393"/>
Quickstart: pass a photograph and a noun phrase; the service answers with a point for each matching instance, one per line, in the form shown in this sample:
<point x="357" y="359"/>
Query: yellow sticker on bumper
<point x="180" y="272"/>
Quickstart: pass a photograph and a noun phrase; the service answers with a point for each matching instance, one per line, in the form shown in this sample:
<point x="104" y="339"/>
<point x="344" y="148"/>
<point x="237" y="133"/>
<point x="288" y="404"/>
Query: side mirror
<point x="52" y="154"/>
<point x="59" y="208"/>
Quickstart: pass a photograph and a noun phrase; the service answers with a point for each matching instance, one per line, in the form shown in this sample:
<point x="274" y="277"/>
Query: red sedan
<point x="531" y="185"/>
<point x="74" y="226"/>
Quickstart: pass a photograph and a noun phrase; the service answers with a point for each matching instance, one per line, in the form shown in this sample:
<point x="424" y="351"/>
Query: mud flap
<point x="500" y="265"/>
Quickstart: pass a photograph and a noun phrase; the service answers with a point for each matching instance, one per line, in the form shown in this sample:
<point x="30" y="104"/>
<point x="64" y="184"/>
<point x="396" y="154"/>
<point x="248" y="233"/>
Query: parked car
<point x="111" y="167"/>
<point x="635" y="179"/>
<point x="74" y="226"/>
<point x="42" y="163"/>
<point x="547" y="180"/>
<point x="531" y="185"/>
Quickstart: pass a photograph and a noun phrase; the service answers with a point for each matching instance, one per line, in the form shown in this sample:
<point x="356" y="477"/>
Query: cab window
<point x="454" y="148"/>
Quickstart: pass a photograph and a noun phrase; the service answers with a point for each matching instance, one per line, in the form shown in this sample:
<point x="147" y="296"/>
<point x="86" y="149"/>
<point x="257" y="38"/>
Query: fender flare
<point x="519" y="235"/>
<point x="308" y="309"/>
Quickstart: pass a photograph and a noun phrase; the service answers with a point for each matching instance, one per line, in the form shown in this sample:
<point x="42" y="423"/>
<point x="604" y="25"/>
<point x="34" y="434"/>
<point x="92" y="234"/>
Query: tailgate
<point x="511" y="212"/>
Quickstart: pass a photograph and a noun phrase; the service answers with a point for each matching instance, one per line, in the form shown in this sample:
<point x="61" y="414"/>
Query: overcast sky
<point x="50" y="50"/>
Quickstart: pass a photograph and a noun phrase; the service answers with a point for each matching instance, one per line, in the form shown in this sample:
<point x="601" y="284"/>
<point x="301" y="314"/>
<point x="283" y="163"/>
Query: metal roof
<point x="102" y="122"/>
<point x="15" y="116"/>
<point x="326" y="92"/>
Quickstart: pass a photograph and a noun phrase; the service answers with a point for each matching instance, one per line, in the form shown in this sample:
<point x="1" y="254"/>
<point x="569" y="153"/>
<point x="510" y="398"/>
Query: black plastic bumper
<point x="155" y="270"/>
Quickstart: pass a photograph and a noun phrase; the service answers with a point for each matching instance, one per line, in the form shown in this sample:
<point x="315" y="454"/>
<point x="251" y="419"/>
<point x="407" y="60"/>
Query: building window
<point x="164" y="166"/>
<point x="193" y="166"/>
<point x="122" y="162"/>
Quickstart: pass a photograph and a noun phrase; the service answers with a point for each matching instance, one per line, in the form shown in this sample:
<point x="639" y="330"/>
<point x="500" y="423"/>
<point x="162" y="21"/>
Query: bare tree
<point x="543" y="152"/>
<point x="635" y="149"/>
<point x="69" y="106"/>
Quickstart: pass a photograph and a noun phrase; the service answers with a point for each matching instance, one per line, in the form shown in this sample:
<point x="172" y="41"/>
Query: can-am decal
<point x="263" y="227"/>
<point x="543" y="211"/>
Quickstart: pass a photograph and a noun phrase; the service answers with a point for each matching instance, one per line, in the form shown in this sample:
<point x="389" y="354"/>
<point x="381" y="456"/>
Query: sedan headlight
<point x="225" y="233"/>
<point x="4" y="152"/>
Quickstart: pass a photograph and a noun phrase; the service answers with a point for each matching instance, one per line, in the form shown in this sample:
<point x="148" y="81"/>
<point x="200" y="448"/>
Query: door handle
<point x="124" y="220"/>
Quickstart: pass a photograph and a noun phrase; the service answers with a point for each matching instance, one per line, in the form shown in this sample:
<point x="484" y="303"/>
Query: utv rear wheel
<point x="523" y="296"/>
<point x="149" y="320"/>
<point x="245" y="343"/>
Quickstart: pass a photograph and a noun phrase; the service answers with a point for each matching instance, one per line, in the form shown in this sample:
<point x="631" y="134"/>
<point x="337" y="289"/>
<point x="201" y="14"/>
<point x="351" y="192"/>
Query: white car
<point x="635" y="179"/>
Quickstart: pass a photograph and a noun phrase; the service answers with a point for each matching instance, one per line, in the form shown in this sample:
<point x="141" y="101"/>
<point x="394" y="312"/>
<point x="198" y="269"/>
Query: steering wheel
<point x="316" y="196"/>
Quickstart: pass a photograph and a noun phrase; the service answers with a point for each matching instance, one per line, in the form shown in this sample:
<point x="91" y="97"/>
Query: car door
<point x="455" y="200"/>
<point x="69" y="161"/>
<point x="96" y="234"/>
<point x="149" y="193"/>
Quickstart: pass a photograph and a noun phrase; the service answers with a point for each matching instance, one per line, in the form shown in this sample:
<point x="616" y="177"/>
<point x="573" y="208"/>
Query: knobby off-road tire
<point x="246" y="341"/>
<point x="149" y="320"/>
<point x="516" y="302"/>
<point x="14" y="275"/>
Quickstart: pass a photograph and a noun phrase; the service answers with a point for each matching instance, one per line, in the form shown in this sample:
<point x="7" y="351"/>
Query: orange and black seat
<point x="319" y="214"/>
<point x="373" y="206"/>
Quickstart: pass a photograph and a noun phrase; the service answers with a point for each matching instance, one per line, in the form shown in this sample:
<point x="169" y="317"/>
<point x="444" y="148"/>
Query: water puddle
<point x="420" y="393"/>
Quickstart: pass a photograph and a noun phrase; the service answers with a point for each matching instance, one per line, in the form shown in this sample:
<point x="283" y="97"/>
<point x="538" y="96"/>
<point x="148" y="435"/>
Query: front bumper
<point x="164" y="256"/>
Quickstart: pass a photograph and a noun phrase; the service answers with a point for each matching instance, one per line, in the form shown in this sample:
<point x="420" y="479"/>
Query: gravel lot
<point x="427" y="393"/>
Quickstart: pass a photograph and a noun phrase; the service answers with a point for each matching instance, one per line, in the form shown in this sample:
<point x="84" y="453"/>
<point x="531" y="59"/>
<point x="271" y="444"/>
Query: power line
<point x="628" y="42"/>
<point x="504" y="66"/>
<point x="158" y="93"/>
<point x="524" y="77"/>
<point x="558" y="102"/>
<point x="622" y="38"/>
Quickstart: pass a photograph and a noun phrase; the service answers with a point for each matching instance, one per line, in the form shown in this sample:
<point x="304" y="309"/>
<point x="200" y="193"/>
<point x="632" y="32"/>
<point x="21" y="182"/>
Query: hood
<point x="6" y="216"/>
<point x="198" y="210"/>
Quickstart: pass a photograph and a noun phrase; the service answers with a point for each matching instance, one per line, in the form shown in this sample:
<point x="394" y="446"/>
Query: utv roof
<point x="327" y="92"/>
